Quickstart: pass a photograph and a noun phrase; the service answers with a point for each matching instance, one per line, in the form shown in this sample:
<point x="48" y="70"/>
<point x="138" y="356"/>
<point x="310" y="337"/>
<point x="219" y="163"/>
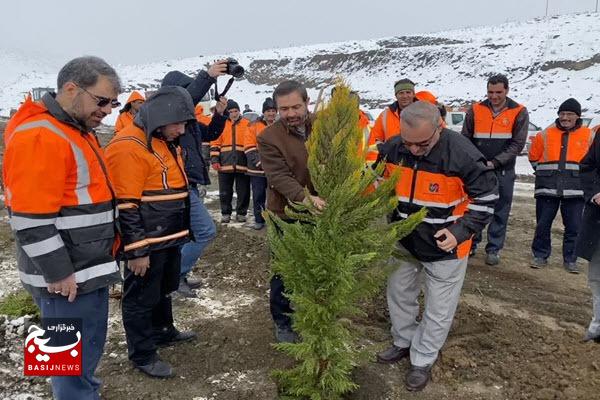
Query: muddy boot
<point x="156" y="369"/>
<point x="539" y="262"/>
<point x="225" y="219"/>
<point x="393" y="354"/>
<point x="185" y="290"/>
<point x="417" y="378"/>
<point x="492" y="259"/>
<point x="571" y="267"/>
<point x="285" y="334"/>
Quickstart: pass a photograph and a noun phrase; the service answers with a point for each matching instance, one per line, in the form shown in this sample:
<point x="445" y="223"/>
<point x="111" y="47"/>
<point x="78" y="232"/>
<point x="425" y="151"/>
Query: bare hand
<point x="139" y="265"/>
<point x="217" y="69"/>
<point x="596" y="199"/>
<point x="449" y="243"/>
<point x="65" y="287"/>
<point x="221" y="105"/>
<point x="316" y="201"/>
<point x="490" y="164"/>
<point x="216" y="166"/>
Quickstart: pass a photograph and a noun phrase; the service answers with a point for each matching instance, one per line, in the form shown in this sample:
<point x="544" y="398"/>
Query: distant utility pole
<point x="547" y="1"/>
<point x="596" y="5"/>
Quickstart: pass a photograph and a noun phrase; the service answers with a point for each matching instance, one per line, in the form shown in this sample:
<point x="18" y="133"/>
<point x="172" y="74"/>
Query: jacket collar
<point x="578" y="125"/>
<point x="49" y="100"/>
<point x="510" y="104"/>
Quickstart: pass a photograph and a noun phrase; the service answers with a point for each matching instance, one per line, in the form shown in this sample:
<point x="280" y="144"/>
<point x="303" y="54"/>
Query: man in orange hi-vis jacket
<point x="62" y="208"/>
<point x="152" y="191"/>
<point x="127" y="113"/>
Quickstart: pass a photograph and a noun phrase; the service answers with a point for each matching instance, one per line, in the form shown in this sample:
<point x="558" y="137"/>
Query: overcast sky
<point x="127" y="32"/>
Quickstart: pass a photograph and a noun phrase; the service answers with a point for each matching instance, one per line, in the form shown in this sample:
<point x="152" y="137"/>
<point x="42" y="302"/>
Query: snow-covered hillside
<point x="547" y="61"/>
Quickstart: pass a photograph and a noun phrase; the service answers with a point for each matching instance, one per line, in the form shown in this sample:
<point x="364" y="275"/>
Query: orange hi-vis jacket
<point x="365" y="128"/>
<point x="252" y="157"/>
<point x="555" y="155"/>
<point x="152" y="192"/>
<point x="60" y="200"/>
<point x="228" y="149"/>
<point x="387" y="125"/>
<point x="452" y="182"/>
<point x="204" y="119"/>
<point x="126" y="116"/>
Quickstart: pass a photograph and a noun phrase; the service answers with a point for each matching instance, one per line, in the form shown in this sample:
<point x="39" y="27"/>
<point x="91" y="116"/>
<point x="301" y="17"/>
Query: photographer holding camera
<point x="196" y="169"/>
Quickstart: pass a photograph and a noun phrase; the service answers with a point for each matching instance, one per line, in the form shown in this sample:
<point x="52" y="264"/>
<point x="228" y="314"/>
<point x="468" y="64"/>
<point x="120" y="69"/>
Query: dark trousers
<point x="496" y="230"/>
<point x="279" y="303"/>
<point x="259" y="196"/>
<point x="92" y="309"/>
<point x="546" y="208"/>
<point x="242" y="189"/>
<point x="147" y="309"/>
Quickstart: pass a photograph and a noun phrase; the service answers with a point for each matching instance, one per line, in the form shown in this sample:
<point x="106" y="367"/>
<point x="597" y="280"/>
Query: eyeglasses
<point x="424" y="143"/>
<point x="103" y="101"/>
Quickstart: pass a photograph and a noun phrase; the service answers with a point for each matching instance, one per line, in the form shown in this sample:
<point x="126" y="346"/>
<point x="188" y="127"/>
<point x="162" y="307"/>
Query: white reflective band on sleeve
<point x="434" y="220"/>
<point x="80" y="221"/>
<point x="44" y="247"/>
<point x="571" y="192"/>
<point x="80" y="276"/>
<point x="489" y="197"/>
<point x="546" y="191"/>
<point x="476" y="207"/>
<point x="18" y="223"/>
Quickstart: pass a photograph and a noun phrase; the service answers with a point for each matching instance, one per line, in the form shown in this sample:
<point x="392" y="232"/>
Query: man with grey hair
<point x="442" y="171"/>
<point x="62" y="210"/>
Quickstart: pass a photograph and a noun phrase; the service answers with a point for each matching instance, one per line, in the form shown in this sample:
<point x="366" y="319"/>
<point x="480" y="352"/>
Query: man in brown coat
<point x="284" y="157"/>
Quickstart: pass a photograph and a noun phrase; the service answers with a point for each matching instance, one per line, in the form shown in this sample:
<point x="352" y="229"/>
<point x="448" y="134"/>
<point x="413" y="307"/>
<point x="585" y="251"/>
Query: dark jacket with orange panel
<point x="452" y="182"/>
<point x="252" y="156"/>
<point x="387" y="125"/>
<point x="60" y="200"/>
<point x="149" y="176"/>
<point x="500" y="137"/>
<point x="228" y="149"/>
<point x="126" y="116"/>
<point x="555" y="155"/>
<point x="205" y="146"/>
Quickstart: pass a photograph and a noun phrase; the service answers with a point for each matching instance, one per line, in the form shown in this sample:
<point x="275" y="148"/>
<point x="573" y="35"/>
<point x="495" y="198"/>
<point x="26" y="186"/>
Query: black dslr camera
<point x="234" y="68"/>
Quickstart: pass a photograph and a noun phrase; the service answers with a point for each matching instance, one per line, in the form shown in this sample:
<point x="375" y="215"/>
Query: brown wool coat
<point x="284" y="157"/>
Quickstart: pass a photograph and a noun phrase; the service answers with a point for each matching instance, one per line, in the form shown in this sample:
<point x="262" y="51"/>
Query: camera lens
<point x="236" y="71"/>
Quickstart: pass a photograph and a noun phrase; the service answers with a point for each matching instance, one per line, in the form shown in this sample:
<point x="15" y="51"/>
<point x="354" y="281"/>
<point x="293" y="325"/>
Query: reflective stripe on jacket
<point x="60" y="200"/>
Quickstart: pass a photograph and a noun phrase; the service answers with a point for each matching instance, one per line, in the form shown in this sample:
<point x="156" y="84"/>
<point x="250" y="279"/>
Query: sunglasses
<point x="103" y="101"/>
<point x="424" y="143"/>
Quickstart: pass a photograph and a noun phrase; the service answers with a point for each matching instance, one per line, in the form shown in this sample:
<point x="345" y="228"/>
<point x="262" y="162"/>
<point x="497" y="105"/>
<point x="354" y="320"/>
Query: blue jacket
<point x="196" y="133"/>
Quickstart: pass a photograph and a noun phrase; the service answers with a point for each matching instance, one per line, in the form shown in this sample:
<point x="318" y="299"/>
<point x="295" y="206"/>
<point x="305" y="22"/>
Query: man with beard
<point x="282" y="150"/>
<point x="62" y="208"/>
<point x="555" y="155"/>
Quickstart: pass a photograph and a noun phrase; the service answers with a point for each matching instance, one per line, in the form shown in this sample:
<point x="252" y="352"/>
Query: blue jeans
<point x="546" y="208"/>
<point x="204" y="231"/>
<point x="92" y="308"/>
<point x="259" y="196"/>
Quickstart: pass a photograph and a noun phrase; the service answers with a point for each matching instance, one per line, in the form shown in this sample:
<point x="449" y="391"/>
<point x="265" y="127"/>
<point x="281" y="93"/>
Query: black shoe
<point x="240" y="218"/>
<point x="417" y="378"/>
<point x="492" y="259"/>
<point x="473" y="251"/>
<point x="257" y="226"/>
<point x="571" y="267"/>
<point x="225" y="219"/>
<point x="156" y="369"/>
<point x="185" y="290"/>
<point x="175" y="337"/>
<point x="393" y="354"/>
<point x="193" y="283"/>
<point x="285" y="334"/>
<point x="539" y="262"/>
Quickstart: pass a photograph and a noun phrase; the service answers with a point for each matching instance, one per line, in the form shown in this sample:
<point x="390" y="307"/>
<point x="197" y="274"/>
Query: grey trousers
<point x="594" y="283"/>
<point x="442" y="282"/>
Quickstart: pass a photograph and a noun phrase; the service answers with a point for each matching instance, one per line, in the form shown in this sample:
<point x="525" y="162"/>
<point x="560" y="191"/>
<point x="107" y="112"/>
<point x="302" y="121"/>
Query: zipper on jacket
<point x="413" y="184"/>
<point x="233" y="146"/>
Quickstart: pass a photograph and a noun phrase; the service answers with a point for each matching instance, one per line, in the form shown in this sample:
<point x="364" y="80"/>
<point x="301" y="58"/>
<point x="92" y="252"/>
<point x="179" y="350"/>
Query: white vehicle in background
<point x="455" y="120"/>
